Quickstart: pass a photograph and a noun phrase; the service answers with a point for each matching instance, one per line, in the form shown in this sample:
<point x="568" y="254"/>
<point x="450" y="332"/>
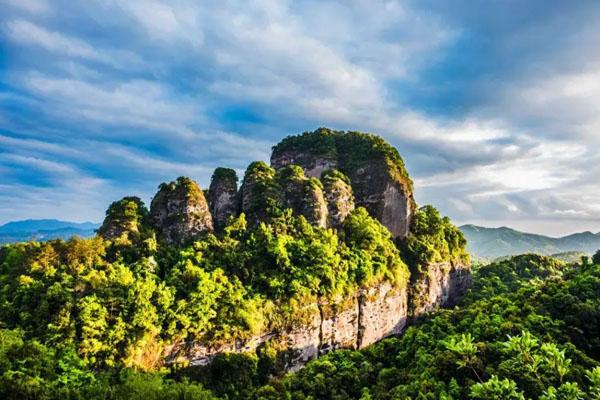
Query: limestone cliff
<point x="353" y="322"/>
<point x="441" y="285"/>
<point x="179" y="211"/>
<point x="376" y="171"/>
<point x="321" y="175"/>
<point x="223" y="196"/>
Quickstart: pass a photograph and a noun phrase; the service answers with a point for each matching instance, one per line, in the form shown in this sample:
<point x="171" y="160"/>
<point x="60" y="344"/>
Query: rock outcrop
<point x="124" y="220"/>
<point x="351" y="323"/>
<point x="222" y="196"/>
<point x="303" y="195"/>
<point x="323" y="176"/>
<point x="260" y="194"/>
<point x="339" y="197"/>
<point x="376" y="171"/>
<point x="441" y="285"/>
<point x="179" y="211"/>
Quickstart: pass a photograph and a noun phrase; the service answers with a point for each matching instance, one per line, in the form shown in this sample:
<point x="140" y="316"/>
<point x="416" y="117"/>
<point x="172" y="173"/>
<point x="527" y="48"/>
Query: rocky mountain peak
<point x="302" y="194"/>
<point x="378" y="177"/>
<point x="180" y="212"/>
<point x="223" y="196"/>
<point x="260" y="193"/>
<point x="124" y="219"/>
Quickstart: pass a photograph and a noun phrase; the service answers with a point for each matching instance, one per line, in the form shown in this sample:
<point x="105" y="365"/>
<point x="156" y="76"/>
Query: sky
<point x="493" y="105"/>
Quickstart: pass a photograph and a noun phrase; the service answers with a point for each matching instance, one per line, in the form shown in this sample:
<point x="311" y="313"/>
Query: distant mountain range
<point x="44" y="229"/>
<point x="492" y="243"/>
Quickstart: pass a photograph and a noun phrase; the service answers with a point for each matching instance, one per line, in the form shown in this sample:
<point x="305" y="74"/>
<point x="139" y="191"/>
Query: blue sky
<point x="494" y="105"/>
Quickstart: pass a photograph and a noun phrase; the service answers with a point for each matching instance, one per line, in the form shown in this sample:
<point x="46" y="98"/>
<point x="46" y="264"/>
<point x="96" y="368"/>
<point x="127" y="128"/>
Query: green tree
<point x="496" y="389"/>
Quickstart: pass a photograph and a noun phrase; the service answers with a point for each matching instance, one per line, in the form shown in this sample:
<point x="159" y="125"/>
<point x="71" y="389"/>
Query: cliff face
<point x="339" y="197"/>
<point x="303" y="195"/>
<point x="223" y="196"/>
<point x="376" y="171"/>
<point x="352" y="323"/>
<point x="259" y="192"/>
<point x="180" y="212"/>
<point x="323" y="176"/>
<point x="442" y="285"/>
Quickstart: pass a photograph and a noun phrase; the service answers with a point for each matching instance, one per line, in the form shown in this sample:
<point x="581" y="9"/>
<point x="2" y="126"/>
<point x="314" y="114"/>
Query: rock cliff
<point x="441" y="285"/>
<point x="223" y="196"/>
<point x="376" y="171"/>
<point x="322" y="175"/>
<point x="353" y="322"/>
<point x="260" y="194"/>
<point x="303" y="195"/>
<point x="179" y="211"/>
<point x="339" y="197"/>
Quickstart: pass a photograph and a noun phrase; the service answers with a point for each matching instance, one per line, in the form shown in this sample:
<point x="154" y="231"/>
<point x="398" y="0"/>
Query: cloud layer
<point x="494" y="110"/>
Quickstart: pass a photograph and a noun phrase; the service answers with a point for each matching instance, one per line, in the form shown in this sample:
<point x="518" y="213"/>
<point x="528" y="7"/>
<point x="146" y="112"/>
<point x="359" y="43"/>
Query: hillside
<point x="324" y="249"/>
<point x="492" y="243"/>
<point x="44" y="229"/>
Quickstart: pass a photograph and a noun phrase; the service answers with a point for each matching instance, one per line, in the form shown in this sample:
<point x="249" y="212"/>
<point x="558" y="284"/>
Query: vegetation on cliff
<point x="75" y="326"/>
<point x="433" y="239"/>
<point x="352" y="149"/>
<point x="376" y="171"/>
<point x="93" y="318"/>
<point x="179" y="211"/>
<point x="103" y="307"/>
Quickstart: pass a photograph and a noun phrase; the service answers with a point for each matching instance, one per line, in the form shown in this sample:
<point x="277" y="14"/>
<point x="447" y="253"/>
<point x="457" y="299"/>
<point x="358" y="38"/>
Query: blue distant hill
<point x="44" y="229"/>
<point x="492" y="243"/>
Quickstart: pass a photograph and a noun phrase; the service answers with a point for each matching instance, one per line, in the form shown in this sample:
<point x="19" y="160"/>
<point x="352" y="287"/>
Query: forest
<point x="89" y="318"/>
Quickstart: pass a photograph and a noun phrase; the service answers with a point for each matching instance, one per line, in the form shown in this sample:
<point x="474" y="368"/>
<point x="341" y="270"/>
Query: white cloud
<point x="161" y="74"/>
<point x="25" y="32"/>
<point x="166" y="22"/>
<point x="137" y="103"/>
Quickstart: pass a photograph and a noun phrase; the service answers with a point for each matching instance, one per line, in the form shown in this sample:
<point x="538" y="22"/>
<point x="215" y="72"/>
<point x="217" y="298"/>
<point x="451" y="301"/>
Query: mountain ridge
<point x="491" y="243"/>
<point x="44" y="229"/>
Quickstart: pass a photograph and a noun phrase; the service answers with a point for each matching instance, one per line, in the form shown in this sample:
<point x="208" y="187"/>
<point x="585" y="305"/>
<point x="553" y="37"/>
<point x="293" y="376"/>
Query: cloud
<point x="494" y="115"/>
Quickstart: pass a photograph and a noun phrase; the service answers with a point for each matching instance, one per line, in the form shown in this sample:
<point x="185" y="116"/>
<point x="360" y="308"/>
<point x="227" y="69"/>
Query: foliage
<point x="512" y="343"/>
<point x="433" y="239"/>
<point x="225" y="176"/>
<point x="352" y="149"/>
<point x="102" y="309"/>
<point x="596" y="257"/>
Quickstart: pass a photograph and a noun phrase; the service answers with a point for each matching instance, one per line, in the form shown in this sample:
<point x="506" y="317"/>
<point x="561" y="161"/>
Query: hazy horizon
<point x="494" y="112"/>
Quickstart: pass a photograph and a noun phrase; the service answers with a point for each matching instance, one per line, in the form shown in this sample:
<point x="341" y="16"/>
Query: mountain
<point x="44" y="229"/>
<point x="491" y="243"/>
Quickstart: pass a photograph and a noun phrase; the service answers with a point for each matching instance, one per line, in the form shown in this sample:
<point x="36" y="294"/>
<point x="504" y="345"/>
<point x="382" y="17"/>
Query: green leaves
<point x="496" y="389"/>
<point x="433" y="239"/>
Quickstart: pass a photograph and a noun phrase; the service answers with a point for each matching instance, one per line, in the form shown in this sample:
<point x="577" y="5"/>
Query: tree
<point x="596" y="257"/>
<point x="496" y="389"/>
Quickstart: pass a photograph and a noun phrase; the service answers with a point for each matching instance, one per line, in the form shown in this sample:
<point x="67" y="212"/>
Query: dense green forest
<point x="90" y="318"/>
<point x="87" y="318"/>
